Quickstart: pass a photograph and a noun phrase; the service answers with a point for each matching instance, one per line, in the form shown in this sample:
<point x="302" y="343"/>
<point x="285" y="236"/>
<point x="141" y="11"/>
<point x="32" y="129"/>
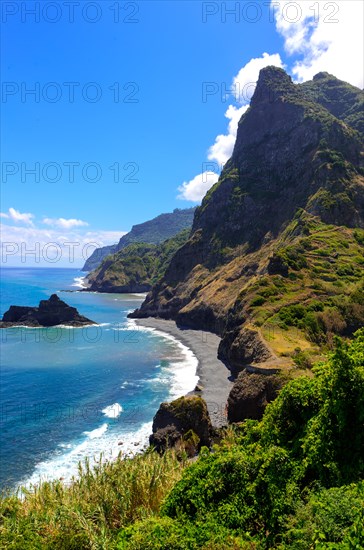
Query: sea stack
<point x="49" y="313"/>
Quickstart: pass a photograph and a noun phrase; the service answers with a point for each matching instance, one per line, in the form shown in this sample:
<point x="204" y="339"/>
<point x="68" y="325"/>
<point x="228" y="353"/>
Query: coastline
<point x="214" y="377"/>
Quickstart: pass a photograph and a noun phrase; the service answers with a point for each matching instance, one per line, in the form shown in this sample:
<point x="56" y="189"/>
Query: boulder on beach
<point x="251" y="393"/>
<point x="49" y="313"/>
<point x="184" y="422"/>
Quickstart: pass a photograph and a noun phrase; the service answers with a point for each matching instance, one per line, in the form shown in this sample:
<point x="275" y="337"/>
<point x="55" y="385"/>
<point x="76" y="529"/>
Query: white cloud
<point x="328" y="36"/>
<point x="18" y="217"/>
<point x="63" y="223"/>
<point x="223" y="147"/>
<point x="244" y="84"/>
<point x="195" y="189"/>
<point x="33" y="246"/>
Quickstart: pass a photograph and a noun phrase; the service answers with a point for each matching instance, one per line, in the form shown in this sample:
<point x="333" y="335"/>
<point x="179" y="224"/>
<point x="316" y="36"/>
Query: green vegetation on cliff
<point x="343" y="100"/>
<point x="294" y="480"/>
<point x="275" y="263"/>
<point x="153" y="231"/>
<point x="137" y="267"/>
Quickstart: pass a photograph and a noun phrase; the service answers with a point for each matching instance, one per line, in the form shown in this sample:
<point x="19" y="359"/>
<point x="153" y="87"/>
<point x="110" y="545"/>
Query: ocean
<point x="71" y="393"/>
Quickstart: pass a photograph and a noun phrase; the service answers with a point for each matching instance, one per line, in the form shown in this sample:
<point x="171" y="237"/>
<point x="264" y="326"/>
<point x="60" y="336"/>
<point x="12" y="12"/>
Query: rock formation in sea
<point x="49" y="313"/>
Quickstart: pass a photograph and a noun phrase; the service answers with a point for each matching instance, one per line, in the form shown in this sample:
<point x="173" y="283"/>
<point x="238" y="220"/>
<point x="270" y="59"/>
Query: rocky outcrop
<point x="250" y="395"/>
<point x="49" y="313"/>
<point x="242" y="347"/>
<point x="153" y="231"/>
<point x="185" y="422"/>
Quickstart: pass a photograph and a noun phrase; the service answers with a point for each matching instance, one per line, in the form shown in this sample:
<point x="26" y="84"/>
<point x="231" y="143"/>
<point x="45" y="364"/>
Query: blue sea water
<point x="71" y="393"/>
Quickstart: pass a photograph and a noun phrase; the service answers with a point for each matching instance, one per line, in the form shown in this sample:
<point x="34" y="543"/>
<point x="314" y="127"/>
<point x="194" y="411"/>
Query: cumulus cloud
<point x="244" y="84"/>
<point x="18" y="217"/>
<point x="223" y="147"/>
<point x="195" y="189"/>
<point x="63" y="223"/>
<point x="327" y="36"/>
<point x="245" y="81"/>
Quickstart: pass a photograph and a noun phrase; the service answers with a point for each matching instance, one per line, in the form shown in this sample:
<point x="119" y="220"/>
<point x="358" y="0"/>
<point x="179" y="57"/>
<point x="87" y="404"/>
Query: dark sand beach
<point x="214" y="377"/>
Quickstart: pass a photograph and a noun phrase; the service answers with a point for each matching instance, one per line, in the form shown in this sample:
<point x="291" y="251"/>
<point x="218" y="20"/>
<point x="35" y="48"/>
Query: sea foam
<point x="80" y="282"/>
<point x="180" y="373"/>
<point x="177" y="372"/>
<point x="98" y="445"/>
<point x="113" y="411"/>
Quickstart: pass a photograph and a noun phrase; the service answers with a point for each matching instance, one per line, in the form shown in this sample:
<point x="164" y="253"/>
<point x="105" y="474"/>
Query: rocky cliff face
<point x="153" y="231"/>
<point x="295" y="168"/>
<point x="250" y="395"/>
<point x="50" y="312"/>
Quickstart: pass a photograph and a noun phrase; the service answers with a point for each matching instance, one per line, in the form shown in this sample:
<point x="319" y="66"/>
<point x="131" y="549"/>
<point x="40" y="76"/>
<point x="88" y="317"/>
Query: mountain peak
<point x="322" y="75"/>
<point x="272" y="73"/>
<point x="273" y="83"/>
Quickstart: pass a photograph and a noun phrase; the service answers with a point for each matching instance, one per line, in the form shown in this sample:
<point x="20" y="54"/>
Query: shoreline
<point x="214" y="377"/>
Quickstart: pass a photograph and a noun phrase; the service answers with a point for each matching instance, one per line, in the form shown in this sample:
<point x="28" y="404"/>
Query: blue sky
<point x="160" y="73"/>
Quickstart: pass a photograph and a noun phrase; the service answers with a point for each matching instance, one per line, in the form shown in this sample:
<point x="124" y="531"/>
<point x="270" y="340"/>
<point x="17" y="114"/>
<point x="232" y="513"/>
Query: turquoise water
<point x="68" y="394"/>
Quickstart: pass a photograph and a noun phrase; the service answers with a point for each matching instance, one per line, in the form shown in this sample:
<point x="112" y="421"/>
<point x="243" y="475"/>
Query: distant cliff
<point x="153" y="231"/>
<point x="136" y="267"/>
<point x="275" y="263"/>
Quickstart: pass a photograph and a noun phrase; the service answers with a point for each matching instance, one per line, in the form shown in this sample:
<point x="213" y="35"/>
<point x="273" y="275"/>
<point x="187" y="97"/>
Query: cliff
<point x="135" y="268"/>
<point x="49" y="313"/>
<point x="281" y="230"/>
<point x="153" y="231"/>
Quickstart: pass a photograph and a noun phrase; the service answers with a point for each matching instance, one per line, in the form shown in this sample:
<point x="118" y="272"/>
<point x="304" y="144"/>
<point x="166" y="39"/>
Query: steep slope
<point x="152" y="231"/>
<point x="343" y="100"/>
<point x="261" y="238"/>
<point x="136" y="267"/>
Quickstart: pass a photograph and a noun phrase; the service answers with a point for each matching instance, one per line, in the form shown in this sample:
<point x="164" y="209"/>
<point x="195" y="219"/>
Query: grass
<point x="324" y="269"/>
<point x="87" y="513"/>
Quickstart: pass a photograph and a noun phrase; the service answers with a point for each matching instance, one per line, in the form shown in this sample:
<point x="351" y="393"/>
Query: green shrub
<point x="257" y="301"/>
<point x="359" y="236"/>
<point x="167" y="534"/>
<point x="293" y="480"/>
<point x="328" y="516"/>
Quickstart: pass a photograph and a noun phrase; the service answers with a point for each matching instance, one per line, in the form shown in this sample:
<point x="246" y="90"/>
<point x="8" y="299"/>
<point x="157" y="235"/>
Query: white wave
<point x="128" y="384"/>
<point x="65" y="465"/>
<point x="180" y="373"/>
<point x="113" y="411"/>
<point x="68" y="327"/>
<point x="80" y="282"/>
<point x="98" y="432"/>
